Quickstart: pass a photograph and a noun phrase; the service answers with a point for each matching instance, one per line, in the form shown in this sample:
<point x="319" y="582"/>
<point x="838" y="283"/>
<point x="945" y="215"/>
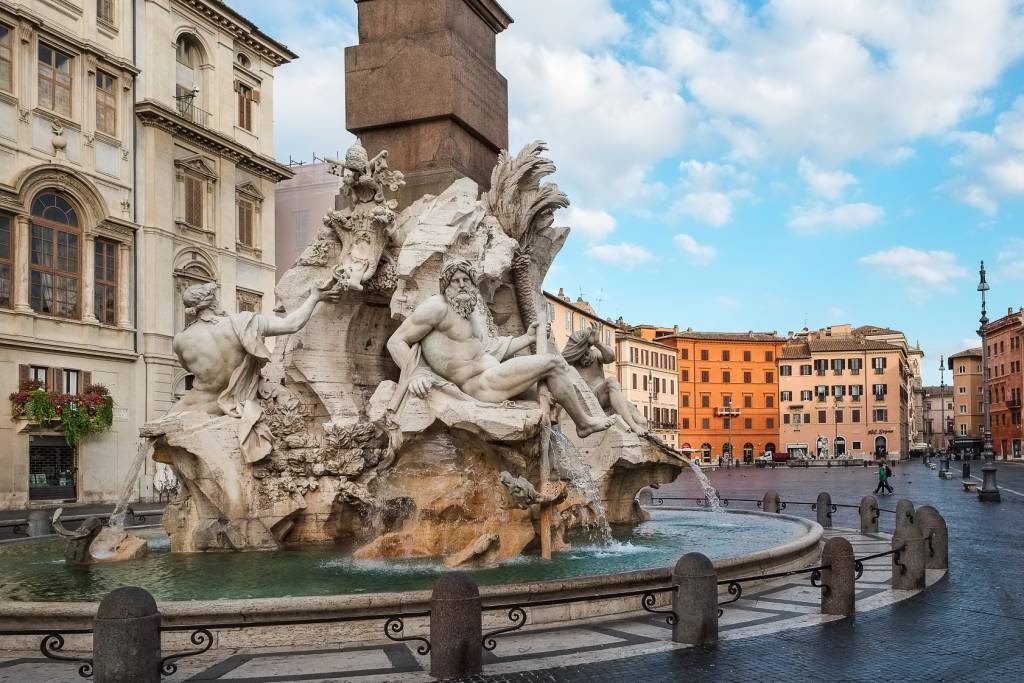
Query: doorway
<point x="53" y="469"/>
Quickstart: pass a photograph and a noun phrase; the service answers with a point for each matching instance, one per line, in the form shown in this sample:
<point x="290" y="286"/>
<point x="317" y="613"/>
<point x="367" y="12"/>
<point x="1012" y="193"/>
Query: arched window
<point x="748" y="450"/>
<point x="881" y="446"/>
<point x="55" y="259"/>
<point x="840" y="446"/>
<point x="705" y="452"/>
<point x="188" y="56"/>
<point x="769" y="448"/>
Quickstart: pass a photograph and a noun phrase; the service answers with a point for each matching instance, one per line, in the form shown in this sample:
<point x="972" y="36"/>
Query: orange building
<point x="1005" y="339"/>
<point x="728" y="391"/>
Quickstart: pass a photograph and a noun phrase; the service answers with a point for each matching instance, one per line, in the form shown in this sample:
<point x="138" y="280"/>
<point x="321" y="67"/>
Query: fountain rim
<point x="49" y="614"/>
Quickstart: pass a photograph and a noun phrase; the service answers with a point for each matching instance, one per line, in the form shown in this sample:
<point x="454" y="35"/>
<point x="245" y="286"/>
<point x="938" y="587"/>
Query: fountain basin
<point x="797" y="545"/>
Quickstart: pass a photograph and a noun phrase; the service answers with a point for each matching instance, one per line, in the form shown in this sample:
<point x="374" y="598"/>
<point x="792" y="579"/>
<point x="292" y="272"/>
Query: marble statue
<point x="585" y="352"/>
<point x="93" y="543"/>
<point x="225" y="354"/>
<point x="444" y="340"/>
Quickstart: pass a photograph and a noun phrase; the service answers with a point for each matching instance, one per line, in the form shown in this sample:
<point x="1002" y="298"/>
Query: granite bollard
<point x="868" y="515"/>
<point x="696" y="600"/>
<point x="904" y="513"/>
<point x="770" y="502"/>
<point x="838" y="584"/>
<point x="908" y="563"/>
<point x="934" y="528"/>
<point x="824" y="510"/>
<point x="456" y="628"/>
<point x="126" y="638"/>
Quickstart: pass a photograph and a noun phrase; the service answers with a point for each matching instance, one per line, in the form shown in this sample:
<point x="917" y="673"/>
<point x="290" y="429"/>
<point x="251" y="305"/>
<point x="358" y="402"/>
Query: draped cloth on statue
<point x="240" y="397"/>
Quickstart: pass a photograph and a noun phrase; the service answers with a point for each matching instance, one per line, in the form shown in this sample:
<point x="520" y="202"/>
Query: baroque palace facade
<point x="135" y="159"/>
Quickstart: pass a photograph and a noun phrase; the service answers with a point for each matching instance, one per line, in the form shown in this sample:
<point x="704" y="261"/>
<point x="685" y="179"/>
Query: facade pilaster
<point x="21" y="273"/>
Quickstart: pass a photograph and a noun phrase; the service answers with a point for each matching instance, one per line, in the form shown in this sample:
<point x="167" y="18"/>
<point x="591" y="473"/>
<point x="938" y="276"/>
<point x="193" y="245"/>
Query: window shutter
<point x="23" y="374"/>
<point x="255" y="96"/>
<point x="53" y="380"/>
<point x="86" y="380"/>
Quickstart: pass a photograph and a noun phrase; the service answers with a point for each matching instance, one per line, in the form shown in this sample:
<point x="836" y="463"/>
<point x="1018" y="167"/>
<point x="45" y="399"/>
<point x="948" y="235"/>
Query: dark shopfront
<point x="53" y="469"/>
<point x="966" y="448"/>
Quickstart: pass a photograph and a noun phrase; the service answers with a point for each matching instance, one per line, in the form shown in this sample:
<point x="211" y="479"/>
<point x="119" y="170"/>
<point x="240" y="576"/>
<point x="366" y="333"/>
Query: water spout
<point x="710" y="494"/>
<point x="569" y="460"/>
<point x="120" y="513"/>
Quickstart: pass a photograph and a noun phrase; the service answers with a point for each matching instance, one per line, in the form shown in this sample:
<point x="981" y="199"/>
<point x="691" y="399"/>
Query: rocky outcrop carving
<point x="93" y="543"/>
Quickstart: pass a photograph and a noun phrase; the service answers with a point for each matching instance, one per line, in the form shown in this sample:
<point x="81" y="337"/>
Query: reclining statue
<point x="225" y="354"/>
<point x="585" y="352"/>
<point x="445" y="341"/>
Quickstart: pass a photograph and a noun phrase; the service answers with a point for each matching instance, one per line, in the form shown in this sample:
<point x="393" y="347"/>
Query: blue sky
<point x="748" y="165"/>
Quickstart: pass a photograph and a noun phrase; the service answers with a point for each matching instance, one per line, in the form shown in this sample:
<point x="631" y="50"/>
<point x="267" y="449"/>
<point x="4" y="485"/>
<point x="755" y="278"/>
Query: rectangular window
<point x="769" y="377"/>
<point x="672" y="386"/>
<point x="106" y="104"/>
<point x="685" y="376"/>
<point x="855" y="415"/>
<point x="878" y="363"/>
<point x="245" y="100"/>
<point x="54" y="263"/>
<point x="725" y="355"/>
<point x="747" y="378"/>
<point x="705" y="423"/>
<point x="786" y="396"/>
<point x="769" y="401"/>
<point x="705" y="400"/>
<point x="686" y="400"/>
<point x="54" y="80"/>
<point x="685" y="353"/>
<point x="704" y="354"/>
<point x="785" y="418"/>
<point x="805" y="395"/>
<point x="821" y="417"/>
<point x="245" y="222"/>
<point x="69" y="381"/>
<point x="105" y="10"/>
<point x="855" y="365"/>
<point x="748" y="423"/>
<point x="839" y="417"/>
<point x="785" y="371"/>
<point x="881" y="415"/>
<point x="805" y="370"/>
<point x="568" y="322"/>
<point x="645" y="382"/>
<point x="6" y="265"/>
<point x="856" y="445"/>
<point x="705" y="376"/>
<point x="769" y="422"/>
<point x="6" y="63"/>
<point x="769" y="356"/>
<point x="746" y="356"/>
<point x="194" y="201"/>
<point x="727" y="423"/>
<point x="37" y="374"/>
<point x="748" y="401"/>
<point x="634" y="380"/>
<point x="726" y="377"/>
<point x="686" y="423"/>
<point x="105" y="288"/>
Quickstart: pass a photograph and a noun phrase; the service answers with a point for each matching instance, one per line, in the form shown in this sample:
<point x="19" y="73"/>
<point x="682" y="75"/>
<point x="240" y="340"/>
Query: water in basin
<point x="36" y="571"/>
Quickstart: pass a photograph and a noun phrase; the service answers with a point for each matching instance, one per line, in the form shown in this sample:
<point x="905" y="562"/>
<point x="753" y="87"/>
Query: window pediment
<point x="250" y="191"/>
<point x="197" y="165"/>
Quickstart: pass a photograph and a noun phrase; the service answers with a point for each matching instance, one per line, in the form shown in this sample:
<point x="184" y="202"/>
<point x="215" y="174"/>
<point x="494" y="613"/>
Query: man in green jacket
<point x="883" y="477"/>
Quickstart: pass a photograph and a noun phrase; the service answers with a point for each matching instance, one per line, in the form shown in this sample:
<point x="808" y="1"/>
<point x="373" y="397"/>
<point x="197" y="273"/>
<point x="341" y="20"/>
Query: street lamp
<point x="942" y="403"/>
<point x="989" y="490"/>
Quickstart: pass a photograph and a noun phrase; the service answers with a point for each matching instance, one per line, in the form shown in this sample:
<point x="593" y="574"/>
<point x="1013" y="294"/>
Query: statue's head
<point x="458" y="286"/>
<point x="198" y="297"/>
<point x="577" y="348"/>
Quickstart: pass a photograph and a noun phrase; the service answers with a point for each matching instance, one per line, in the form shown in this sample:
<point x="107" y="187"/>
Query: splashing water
<point x="120" y="513"/>
<point x="710" y="494"/>
<point x="568" y="459"/>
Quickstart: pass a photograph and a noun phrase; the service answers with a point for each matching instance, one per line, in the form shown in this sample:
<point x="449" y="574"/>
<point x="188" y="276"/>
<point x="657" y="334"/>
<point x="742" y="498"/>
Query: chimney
<point x="675" y="329"/>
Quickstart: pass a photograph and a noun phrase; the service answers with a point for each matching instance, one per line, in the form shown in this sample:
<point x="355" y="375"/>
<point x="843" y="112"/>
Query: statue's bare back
<point x="210" y="351"/>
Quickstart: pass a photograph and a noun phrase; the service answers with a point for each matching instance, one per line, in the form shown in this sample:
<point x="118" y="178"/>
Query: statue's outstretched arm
<point x="296" y="320"/>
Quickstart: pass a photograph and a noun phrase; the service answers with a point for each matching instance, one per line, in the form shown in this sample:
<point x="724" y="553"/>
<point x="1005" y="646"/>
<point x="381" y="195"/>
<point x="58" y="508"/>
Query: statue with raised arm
<point x="445" y="341"/>
<point x="225" y="354"/>
<point x="585" y="352"/>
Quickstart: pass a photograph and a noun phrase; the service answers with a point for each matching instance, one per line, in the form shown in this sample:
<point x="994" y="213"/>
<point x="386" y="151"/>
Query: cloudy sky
<point x="748" y="165"/>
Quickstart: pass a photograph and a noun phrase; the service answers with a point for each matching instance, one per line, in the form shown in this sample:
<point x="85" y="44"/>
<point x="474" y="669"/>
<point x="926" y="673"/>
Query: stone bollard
<point x="39" y="523"/>
<point x="126" y="638"/>
<point x="868" y="515"/>
<point x="456" y="627"/>
<point x="824" y="509"/>
<point x="908" y="572"/>
<point x="967" y="471"/>
<point x="933" y="526"/>
<point x="838" y="585"/>
<point x="696" y="601"/>
<point x="904" y="513"/>
<point x="770" y="502"/>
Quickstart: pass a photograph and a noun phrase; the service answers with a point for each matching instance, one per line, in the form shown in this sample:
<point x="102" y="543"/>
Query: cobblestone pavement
<point x="964" y="628"/>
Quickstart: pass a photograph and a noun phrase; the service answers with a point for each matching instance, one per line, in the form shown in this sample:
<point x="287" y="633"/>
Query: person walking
<point x="883" y="477"/>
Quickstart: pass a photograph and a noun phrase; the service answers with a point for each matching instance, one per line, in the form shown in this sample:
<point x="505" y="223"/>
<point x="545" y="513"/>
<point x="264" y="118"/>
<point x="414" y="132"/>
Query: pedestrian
<point x="883" y="477"/>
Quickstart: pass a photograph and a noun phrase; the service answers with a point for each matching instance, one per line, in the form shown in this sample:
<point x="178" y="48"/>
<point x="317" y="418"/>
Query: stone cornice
<point x="154" y="114"/>
<point x="78" y="349"/>
<point x="243" y="30"/>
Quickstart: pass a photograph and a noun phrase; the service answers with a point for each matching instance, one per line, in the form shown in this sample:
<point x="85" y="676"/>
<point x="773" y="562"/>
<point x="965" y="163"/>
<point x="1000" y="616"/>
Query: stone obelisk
<point x="423" y="84"/>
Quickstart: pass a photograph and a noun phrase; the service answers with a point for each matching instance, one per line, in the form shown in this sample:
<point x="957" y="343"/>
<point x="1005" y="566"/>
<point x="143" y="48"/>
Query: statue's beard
<point x="463" y="303"/>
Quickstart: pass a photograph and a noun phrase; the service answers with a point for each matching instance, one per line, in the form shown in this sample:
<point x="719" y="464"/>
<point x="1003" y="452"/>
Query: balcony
<point x="727" y="412"/>
<point x="1013" y="404"/>
<point x="185" y="104"/>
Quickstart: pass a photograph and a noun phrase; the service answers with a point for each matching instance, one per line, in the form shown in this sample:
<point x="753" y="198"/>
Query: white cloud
<point x="1011" y="260"/>
<point x="698" y="254"/>
<point x="827" y="184"/>
<point x="624" y="254"/>
<point x="837" y="79"/>
<point x="978" y="197"/>
<point x="582" y="24"/>
<point x="922" y="268"/>
<point x="710" y="191"/>
<point x="815" y="218"/>
<point x="593" y="225"/>
<point x="995" y="161"/>
<point x="896" y="155"/>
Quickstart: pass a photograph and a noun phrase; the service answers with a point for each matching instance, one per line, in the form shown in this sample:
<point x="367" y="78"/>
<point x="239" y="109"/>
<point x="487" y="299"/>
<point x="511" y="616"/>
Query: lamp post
<point x="942" y="403"/>
<point x="989" y="492"/>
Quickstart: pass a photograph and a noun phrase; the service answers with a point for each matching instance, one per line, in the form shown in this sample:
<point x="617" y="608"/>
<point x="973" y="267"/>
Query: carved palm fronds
<point x="517" y="197"/>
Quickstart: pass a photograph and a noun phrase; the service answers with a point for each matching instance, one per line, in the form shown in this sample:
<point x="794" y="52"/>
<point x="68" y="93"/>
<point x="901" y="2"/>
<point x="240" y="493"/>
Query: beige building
<point x="912" y="382"/>
<point x="969" y="421"/>
<point x="647" y="373"/>
<point x="300" y="206"/>
<point x="135" y="143"/>
<point x="568" y="316"/>
<point x="938" y="409"/>
<point x="843" y="394"/>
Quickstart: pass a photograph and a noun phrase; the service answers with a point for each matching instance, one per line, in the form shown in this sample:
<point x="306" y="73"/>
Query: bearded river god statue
<point x="406" y="409"/>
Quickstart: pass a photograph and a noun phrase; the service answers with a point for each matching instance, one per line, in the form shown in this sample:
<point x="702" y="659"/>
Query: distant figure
<point x="585" y="352"/>
<point x="883" y="477"/>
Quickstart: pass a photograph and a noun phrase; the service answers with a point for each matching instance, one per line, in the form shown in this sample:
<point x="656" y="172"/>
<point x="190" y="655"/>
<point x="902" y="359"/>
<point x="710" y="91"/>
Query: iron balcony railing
<point x="186" y="106"/>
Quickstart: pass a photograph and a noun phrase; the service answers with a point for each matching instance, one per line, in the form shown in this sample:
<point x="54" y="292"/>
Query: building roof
<point x="849" y="343"/>
<point x="967" y="353"/>
<point x="874" y="329"/>
<point x="727" y="336"/>
<point x="795" y="351"/>
<point x="621" y="336"/>
<point x="588" y="311"/>
<point x="936" y="391"/>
